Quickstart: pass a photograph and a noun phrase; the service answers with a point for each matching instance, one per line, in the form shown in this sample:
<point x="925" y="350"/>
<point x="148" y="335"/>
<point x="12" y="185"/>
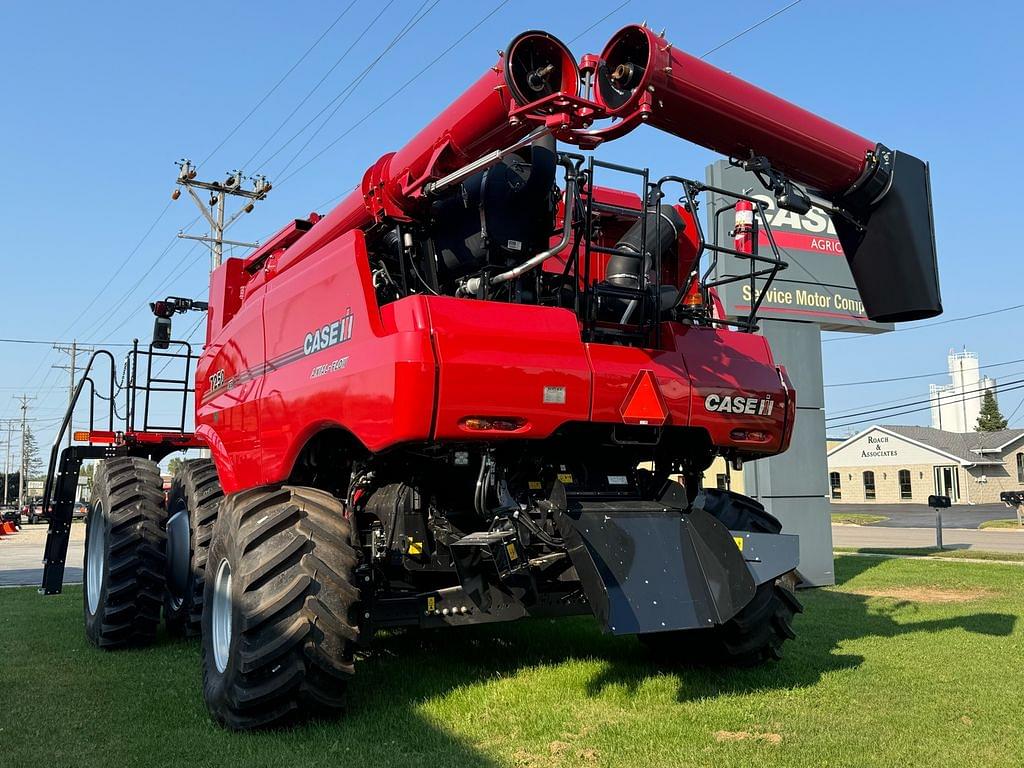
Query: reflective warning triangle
<point x="643" y="403"/>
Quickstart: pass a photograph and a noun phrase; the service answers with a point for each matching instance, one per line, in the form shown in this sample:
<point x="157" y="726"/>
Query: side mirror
<point x="938" y="502"/>
<point x="162" y="333"/>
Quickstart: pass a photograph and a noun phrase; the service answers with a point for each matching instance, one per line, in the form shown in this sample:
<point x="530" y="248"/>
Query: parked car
<point x="11" y="514"/>
<point x="34" y="512"/>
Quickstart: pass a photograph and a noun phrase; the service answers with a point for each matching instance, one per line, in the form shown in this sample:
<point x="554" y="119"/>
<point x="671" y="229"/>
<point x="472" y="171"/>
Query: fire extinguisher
<point x="745" y="230"/>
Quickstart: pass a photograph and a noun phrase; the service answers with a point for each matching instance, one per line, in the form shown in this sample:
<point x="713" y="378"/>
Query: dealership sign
<point x="817" y="285"/>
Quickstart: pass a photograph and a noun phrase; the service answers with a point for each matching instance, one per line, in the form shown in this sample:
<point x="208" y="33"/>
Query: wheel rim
<point x="221" y="616"/>
<point x="95" y="558"/>
<point x="178" y="556"/>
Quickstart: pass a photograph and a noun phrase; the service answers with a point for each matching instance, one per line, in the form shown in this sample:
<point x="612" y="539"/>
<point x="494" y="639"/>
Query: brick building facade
<point x="903" y="464"/>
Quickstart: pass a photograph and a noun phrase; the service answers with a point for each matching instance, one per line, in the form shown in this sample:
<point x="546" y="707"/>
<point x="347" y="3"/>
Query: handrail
<point x="55" y="449"/>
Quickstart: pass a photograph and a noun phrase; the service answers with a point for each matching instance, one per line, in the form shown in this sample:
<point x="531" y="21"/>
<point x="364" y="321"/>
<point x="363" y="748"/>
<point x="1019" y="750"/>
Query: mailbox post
<point x="938" y="503"/>
<point x="1015" y="501"/>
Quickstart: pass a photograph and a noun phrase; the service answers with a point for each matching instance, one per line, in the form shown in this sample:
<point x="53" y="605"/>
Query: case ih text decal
<point x="760" y="406"/>
<point x="337" y="332"/>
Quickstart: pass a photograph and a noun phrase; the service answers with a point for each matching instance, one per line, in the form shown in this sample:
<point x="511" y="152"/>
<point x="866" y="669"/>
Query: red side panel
<point x="228" y="387"/>
<point x="507" y="360"/>
<point x="331" y="361"/>
<point x="738" y="366"/>
<point x="615" y="373"/>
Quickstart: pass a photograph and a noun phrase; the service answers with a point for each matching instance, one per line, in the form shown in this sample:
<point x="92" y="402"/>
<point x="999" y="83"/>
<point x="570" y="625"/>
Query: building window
<point x="835" y="483"/>
<point x="1020" y="467"/>
<point x="869" y="485"/>
<point x="905" y="490"/>
<point x="722" y="482"/>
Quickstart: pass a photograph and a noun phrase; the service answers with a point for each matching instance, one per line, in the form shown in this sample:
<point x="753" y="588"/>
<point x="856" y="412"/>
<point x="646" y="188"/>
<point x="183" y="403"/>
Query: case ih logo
<point x="755" y="406"/>
<point x="334" y="333"/>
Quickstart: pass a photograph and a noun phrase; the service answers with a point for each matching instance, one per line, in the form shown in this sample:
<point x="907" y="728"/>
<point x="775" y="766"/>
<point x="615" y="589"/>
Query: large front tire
<point x="124" y="554"/>
<point x="755" y="634"/>
<point x="278" y="637"/>
<point x="192" y="506"/>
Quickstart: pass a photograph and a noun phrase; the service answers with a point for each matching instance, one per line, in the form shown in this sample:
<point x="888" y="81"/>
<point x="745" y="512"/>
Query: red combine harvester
<point x="485" y="387"/>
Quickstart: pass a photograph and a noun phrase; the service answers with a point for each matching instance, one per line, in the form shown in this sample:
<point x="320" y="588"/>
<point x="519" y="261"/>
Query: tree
<point x="990" y="419"/>
<point x="174" y="465"/>
<point x="30" y="451"/>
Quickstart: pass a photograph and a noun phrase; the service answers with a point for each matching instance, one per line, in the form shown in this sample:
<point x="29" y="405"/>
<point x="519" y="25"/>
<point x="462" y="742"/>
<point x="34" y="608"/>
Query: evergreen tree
<point x="990" y="419"/>
<point x="31" y="460"/>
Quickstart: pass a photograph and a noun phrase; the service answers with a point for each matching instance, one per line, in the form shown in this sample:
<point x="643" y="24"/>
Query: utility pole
<point x="215" y="211"/>
<point x="72" y="351"/>
<point x="24" y="457"/>
<point x="7" y="459"/>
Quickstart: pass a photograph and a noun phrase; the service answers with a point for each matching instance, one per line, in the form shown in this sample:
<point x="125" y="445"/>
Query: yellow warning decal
<point x="535" y="485"/>
<point x="512" y="554"/>
<point x="565" y="477"/>
<point x="415" y="548"/>
<point x="431" y="602"/>
<point x="739" y="542"/>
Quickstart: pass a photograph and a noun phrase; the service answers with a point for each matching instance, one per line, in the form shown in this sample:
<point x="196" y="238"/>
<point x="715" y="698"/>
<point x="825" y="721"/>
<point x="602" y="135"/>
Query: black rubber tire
<point x="196" y="489"/>
<point x="127" y="500"/>
<point x="292" y="640"/>
<point x="754" y="635"/>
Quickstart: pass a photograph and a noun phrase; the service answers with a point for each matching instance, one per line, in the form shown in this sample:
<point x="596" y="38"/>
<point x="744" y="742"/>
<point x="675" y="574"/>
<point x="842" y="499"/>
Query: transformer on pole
<point x="214" y="210"/>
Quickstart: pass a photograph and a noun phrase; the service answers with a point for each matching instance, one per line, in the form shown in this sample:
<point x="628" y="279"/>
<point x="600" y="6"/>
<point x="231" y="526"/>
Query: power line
<point x="348" y="90"/>
<point x="940" y="397"/>
<point x="397" y="91"/>
<point x="751" y="28"/>
<point x="302" y="101"/>
<point x="600" y="21"/>
<point x="915" y="376"/>
<point x="50" y="343"/>
<point x="1010" y="417"/>
<point x="277" y="85"/>
<point x="1019" y="385"/>
<point x="930" y="325"/>
<point x="902" y="401"/>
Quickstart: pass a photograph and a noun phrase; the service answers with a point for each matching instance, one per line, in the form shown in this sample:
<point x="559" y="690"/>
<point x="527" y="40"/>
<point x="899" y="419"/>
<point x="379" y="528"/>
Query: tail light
<point x="693" y="296"/>
<point x="492" y="424"/>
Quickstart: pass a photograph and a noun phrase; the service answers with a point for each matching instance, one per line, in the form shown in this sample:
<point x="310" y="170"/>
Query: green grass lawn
<point x="905" y="663"/>
<point x="854" y="518"/>
<point x="946" y="554"/>
<point x="1006" y="523"/>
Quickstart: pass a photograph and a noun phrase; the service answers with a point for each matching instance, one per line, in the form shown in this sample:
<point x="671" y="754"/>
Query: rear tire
<point x="755" y="634"/>
<point x="195" y="495"/>
<point x="124" y="554"/>
<point x="278" y="637"/>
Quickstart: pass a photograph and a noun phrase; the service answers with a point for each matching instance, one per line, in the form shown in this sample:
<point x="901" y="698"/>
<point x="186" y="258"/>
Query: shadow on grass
<point x="476" y="654"/>
<point x="387" y="723"/>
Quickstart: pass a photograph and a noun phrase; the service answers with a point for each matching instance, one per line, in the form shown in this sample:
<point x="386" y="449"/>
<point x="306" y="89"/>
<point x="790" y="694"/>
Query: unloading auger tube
<point x="878" y="198"/>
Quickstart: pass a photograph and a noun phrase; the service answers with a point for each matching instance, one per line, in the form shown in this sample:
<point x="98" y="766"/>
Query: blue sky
<point x="101" y="99"/>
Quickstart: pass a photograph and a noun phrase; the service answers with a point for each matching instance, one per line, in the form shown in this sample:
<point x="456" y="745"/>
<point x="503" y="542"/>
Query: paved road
<point x="922" y="516"/>
<point x="21" y="556"/>
<point x="952" y="538"/>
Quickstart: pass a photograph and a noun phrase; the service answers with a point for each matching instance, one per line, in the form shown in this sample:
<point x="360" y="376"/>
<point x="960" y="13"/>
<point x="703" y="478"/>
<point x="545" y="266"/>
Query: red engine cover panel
<point x="507" y="360"/>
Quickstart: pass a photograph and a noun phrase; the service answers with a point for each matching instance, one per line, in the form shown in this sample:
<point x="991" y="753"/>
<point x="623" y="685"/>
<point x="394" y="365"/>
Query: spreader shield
<point x="648" y="567"/>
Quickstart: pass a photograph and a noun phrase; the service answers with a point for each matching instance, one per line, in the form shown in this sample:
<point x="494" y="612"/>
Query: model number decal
<point x="329" y="335"/>
<point x="217" y="379"/>
<point x="754" y="406"/>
